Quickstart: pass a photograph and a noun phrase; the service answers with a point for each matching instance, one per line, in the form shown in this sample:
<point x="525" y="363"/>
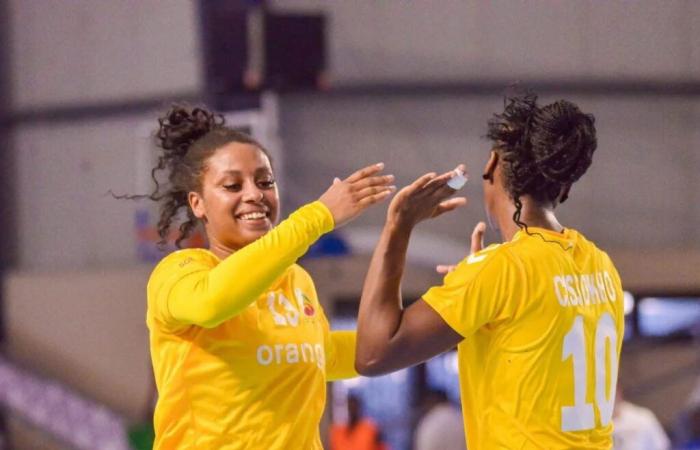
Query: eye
<point x="266" y="184"/>
<point x="232" y="187"/>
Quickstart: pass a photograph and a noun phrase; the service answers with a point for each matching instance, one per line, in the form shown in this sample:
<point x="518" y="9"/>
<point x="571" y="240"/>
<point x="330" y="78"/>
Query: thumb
<point x="478" y="237"/>
<point x="336" y="180"/>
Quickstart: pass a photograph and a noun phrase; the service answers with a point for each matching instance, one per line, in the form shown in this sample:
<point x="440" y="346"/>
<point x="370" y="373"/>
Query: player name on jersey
<point x="584" y="289"/>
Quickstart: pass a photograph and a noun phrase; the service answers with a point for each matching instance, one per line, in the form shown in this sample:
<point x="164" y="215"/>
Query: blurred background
<point x="328" y="87"/>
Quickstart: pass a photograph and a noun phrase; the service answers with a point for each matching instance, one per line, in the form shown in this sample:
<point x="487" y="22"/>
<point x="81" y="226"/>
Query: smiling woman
<point x="239" y="201"/>
<point x="239" y="342"/>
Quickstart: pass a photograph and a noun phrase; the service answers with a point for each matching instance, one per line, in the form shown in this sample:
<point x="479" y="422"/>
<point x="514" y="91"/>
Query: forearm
<point x="215" y="296"/>
<point x="380" y="305"/>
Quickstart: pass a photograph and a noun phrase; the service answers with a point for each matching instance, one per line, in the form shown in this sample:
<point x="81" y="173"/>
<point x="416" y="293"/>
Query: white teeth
<point x="253" y="216"/>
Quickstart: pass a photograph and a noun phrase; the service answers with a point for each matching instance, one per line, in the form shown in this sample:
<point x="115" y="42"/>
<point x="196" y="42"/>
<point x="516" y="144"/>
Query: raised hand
<point x="476" y="245"/>
<point x="348" y="198"/>
<point x="423" y="199"/>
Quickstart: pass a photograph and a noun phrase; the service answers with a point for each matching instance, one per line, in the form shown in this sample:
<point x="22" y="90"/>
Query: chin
<point x="253" y="235"/>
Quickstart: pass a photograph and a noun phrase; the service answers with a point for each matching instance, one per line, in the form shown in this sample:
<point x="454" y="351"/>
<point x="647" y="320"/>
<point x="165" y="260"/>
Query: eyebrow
<point x="238" y="172"/>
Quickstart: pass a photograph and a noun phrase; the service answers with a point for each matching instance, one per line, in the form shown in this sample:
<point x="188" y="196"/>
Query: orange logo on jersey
<point x="308" y="306"/>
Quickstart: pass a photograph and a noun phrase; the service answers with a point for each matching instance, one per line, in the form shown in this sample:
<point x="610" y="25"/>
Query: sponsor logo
<point x="308" y="306"/>
<point x="279" y="354"/>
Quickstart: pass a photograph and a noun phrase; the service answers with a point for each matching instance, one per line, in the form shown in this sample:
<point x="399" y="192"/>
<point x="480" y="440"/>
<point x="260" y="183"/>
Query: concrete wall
<point x="79" y="51"/>
<point x="643" y="174"/>
<point x="443" y="40"/>
<point x="642" y="191"/>
<point x="87" y="329"/>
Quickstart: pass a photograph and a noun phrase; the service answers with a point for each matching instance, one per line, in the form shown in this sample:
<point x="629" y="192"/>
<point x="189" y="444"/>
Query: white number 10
<point x="580" y="416"/>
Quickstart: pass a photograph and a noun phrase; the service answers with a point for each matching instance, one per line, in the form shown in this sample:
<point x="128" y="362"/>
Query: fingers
<point x="439" y="185"/>
<point x="365" y="172"/>
<point x="376" y="198"/>
<point x="363" y="183"/>
<point x="478" y="237"/>
<point x="449" y="205"/>
<point x="371" y="190"/>
<point x="444" y="269"/>
<point x="423" y="180"/>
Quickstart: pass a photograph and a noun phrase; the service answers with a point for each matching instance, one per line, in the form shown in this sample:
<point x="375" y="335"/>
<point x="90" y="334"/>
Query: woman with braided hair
<point x="537" y="320"/>
<point x="241" y="348"/>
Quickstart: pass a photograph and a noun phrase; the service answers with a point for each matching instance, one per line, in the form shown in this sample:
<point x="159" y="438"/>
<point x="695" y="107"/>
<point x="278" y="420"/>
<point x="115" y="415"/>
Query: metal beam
<point x="607" y="88"/>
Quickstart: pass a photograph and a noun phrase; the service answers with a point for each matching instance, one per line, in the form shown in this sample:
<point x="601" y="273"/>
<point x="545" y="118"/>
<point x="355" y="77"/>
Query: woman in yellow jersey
<point x="537" y="320"/>
<point x="241" y="348"/>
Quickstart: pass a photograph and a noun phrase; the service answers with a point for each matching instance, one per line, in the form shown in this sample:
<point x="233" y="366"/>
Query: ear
<point x="491" y="166"/>
<point x="197" y="204"/>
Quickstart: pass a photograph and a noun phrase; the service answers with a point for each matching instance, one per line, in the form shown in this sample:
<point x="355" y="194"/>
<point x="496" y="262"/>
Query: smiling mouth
<point x="253" y="216"/>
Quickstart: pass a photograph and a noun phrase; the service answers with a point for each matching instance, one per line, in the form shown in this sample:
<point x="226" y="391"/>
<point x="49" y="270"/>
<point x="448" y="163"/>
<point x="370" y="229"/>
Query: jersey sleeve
<point x="340" y="355"/>
<point x="478" y="292"/>
<point x="339" y="349"/>
<point x="192" y="291"/>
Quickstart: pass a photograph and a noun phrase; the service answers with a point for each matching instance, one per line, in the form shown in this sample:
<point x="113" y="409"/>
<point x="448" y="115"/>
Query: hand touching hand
<point x="348" y="198"/>
<point x="423" y="199"/>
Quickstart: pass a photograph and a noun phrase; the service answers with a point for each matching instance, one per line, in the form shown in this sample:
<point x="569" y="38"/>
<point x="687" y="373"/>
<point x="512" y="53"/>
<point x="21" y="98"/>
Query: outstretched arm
<point x="188" y="293"/>
<point x="389" y="337"/>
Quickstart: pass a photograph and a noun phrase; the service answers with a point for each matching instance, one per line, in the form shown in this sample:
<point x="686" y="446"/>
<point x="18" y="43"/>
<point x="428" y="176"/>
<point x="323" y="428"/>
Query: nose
<point x="252" y="193"/>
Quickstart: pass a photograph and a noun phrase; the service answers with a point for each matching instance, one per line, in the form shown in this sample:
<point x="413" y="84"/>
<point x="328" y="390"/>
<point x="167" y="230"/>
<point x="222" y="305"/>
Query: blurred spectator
<point x="359" y="433"/>
<point x="687" y="430"/>
<point x="692" y="441"/>
<point x="441" y="427"/>
<point x="636" y="427"/>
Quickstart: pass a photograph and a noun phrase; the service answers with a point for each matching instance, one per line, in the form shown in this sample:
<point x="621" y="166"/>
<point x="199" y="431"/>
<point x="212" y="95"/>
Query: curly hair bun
<point x="562" y="142"/>
<point x="182" y="125"/>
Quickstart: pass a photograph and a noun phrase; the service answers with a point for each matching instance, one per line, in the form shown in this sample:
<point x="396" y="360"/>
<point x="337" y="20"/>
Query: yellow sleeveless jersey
<point x="543" y="321"/>
<point x="241" y="348"/>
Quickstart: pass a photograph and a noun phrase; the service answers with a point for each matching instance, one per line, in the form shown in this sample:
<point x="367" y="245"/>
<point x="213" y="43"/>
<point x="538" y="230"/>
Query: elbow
<point x="369" y="367"/>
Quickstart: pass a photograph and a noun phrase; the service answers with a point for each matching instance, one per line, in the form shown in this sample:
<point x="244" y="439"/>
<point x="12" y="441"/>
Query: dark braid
<point x="187" y="137"/>
<point x="544" y="150"/>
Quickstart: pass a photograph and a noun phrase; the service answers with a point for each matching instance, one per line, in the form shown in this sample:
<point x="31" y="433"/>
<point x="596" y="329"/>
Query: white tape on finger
<point x="458" y="181"/>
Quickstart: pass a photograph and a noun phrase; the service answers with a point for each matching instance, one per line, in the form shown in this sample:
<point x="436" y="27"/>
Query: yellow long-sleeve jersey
<point x="241" y="348"/>
<point x="543" y="322"/>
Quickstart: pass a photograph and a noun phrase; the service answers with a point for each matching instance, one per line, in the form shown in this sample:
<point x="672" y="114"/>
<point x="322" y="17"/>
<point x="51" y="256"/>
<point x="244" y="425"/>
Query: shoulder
<point x="299" y="275"/>
<point x="185" y="260"/>
<point x="594" y="249"/>
<point x="299" y="271"/>
<point x="588" y="244"/>
<point x="491" y="260"/>
<point x="186" y="256"/>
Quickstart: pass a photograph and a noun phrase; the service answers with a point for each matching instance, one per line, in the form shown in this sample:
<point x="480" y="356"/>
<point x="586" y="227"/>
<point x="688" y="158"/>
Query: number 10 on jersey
<point x="580" y="416"/>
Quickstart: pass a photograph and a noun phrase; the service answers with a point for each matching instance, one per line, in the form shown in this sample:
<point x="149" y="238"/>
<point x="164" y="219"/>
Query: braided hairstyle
<point x="186" y="138"/>
<point x="544" y="149"/>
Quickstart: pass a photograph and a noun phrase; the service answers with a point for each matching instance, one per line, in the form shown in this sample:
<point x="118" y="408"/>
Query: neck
<point x="531" y="214"/>
<point x="219" y="249"/>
